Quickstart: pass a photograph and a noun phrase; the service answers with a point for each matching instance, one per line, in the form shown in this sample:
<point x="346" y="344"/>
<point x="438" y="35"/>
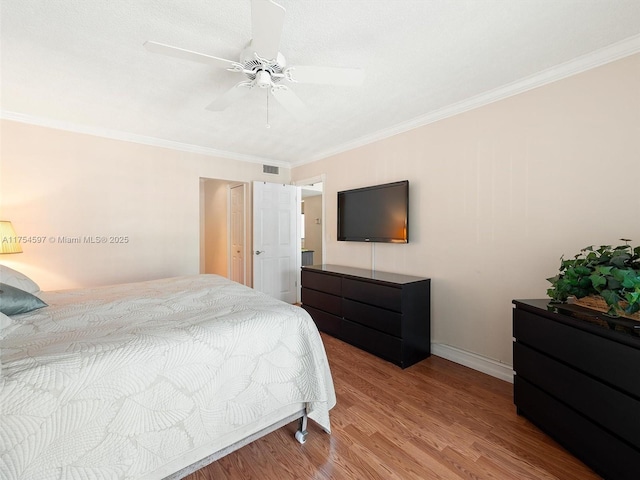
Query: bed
<point x="153" y="380"/>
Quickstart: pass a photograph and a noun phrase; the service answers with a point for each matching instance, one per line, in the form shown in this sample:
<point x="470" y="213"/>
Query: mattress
<point x="133" y="380"/>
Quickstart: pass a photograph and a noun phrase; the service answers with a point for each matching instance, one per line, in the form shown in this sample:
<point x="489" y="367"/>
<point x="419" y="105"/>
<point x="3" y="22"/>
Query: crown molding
<point x="141" y="139"/>
<point x="613" y="52"/>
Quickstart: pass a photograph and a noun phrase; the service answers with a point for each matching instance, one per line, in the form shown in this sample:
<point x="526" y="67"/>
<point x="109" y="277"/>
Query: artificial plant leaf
<point x="619" y="260"/>
<point x="633" y="297"/>
<point x="584" y="282"/>
<point x="597" y="280"/>
<point x="581" y="292"/>
<point x="629" y="280"/>
<point x="571" y="274"/>
<point x="604" y="270"/>
<point x="613" y="283"/>
<point x="632" y="308"/>
<point x="555" y="294"/>
<point x="610" y="296"/>
<point x="582" y="270"/>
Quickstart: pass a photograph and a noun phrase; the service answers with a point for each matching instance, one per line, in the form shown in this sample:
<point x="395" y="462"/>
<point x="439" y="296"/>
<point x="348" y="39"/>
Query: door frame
<point x="231" y="186"/>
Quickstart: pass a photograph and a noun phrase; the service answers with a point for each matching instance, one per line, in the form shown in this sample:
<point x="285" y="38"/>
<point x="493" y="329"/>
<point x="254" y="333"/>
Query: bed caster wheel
<point x="301" y="436"/>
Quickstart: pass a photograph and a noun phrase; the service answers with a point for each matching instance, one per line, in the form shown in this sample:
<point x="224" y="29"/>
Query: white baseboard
<point x="474" y="361"/>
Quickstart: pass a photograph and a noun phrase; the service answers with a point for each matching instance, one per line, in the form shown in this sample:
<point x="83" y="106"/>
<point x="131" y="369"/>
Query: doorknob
<point x="258" y="252"/>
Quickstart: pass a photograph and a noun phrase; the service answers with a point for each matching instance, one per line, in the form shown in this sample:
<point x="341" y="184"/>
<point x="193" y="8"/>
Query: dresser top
<point x="621" y="329"/>
<point x="365" y="273"/>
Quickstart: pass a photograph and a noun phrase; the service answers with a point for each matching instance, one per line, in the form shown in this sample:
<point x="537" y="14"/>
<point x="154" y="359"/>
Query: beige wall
<point x="498" y="194"/>
<point x="56" y="183"/>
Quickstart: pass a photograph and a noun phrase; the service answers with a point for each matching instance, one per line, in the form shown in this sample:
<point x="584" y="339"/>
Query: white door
<point x="236" y="210"/>
<point x="276" y="246"/>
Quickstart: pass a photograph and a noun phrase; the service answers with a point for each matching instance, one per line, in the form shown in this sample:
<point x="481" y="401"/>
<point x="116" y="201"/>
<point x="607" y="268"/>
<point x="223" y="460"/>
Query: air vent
<point x="270" y="169"/>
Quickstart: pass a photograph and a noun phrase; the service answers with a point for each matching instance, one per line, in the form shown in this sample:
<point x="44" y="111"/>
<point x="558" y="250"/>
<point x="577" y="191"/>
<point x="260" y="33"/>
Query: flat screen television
<point x="379" y="213"/>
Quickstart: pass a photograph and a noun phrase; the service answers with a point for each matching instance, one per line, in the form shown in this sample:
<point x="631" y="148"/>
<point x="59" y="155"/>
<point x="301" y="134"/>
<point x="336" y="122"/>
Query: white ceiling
<point x="80" y="64"/>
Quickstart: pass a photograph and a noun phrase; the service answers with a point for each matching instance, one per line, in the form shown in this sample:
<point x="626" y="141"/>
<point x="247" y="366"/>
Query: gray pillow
<point x="16" y="279"/>
<point x="14" y="301"/>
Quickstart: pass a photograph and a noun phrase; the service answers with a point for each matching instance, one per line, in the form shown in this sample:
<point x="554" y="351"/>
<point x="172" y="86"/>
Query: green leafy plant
<point x="611" y="272"/>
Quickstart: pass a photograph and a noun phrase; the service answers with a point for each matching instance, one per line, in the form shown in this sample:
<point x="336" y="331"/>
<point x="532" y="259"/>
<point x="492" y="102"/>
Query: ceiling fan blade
<point x="267" y="20"/>
<point x="234" y="93"/>
<point x="289" y="100"/>
<point x="163" y="49"/>
<point x="326" y="75"/>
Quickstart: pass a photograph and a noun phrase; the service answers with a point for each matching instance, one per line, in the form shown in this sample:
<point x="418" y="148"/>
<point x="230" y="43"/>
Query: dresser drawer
<point x="325" y="322"/>
<point x="378" y="343"/>
<point x="601" y="403"/>
<point x="375" y="294"/>
<point x="374" y="317"/>
<point x="322" y="301"/>
<point x="615" y="363"/>
<point x="605" y="453"/>
<point x="321" y="281"/>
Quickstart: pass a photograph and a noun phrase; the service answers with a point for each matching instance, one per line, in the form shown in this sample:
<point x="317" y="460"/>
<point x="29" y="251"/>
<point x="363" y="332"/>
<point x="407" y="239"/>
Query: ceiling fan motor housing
<point x="262" y="70"/>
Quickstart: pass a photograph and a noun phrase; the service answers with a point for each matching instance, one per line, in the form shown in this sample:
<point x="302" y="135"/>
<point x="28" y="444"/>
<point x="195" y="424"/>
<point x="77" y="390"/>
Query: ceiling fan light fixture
<point x="263" y="79"/>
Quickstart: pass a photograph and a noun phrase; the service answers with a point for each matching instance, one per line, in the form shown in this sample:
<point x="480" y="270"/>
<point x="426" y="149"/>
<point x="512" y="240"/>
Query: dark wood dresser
<point x="384" y="313"/>
<point x="578" y="379"/>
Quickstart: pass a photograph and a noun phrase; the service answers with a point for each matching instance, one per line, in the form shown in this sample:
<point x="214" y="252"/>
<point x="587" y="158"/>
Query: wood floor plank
<point x="500" y="460"/>
<point x="434" y="420"/>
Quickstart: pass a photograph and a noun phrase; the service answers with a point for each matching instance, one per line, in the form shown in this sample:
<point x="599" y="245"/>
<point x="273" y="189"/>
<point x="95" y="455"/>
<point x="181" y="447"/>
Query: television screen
<point x="374" y="214"/>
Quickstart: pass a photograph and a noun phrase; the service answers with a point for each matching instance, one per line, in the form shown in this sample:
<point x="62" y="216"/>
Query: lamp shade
<point x="8" y="239"/>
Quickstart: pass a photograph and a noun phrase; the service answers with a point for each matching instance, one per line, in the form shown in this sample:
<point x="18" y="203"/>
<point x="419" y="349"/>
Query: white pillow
<point x="18" y="280"/>
<point x="5" y="323"/>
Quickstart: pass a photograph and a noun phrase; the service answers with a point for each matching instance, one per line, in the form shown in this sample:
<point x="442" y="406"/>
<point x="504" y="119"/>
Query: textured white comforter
<point x="115" y="382"/>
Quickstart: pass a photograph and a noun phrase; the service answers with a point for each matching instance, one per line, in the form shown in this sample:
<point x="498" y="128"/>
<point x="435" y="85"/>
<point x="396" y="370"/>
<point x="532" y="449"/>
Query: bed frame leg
<point x="301" y="434"/>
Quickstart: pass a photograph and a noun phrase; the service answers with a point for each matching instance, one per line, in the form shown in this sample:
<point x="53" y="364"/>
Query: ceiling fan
<point x="262" y="64"/>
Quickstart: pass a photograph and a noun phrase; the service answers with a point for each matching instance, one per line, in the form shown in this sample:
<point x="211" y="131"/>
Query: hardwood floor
<point x="434" y="420"/>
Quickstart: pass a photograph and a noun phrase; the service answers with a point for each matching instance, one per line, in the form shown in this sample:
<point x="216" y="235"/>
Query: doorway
<point x="312" y="221"/>
<point x="223" y="229"/>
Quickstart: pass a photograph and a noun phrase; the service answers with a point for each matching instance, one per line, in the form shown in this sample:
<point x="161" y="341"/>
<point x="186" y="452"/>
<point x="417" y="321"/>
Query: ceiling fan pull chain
<point x="267" y="125"/>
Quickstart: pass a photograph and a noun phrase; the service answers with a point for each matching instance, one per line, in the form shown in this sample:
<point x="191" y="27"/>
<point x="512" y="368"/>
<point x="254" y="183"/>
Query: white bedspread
<point x="115" y="382"/>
